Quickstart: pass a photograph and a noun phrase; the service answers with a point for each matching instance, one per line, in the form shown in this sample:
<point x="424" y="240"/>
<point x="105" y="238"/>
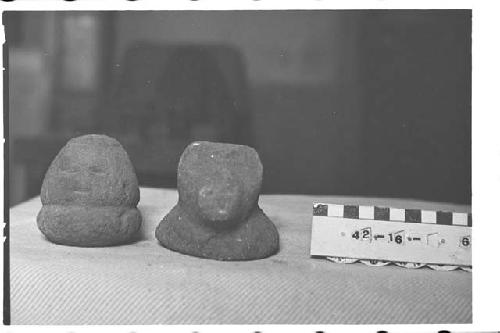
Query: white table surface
<point x="144" y="283"/>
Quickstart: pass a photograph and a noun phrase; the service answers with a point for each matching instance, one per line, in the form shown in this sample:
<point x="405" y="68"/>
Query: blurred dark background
<point x="365" y="103"/>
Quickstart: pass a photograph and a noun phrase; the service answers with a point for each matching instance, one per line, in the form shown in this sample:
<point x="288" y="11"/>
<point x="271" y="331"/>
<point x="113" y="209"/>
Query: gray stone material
<point x="89" y="194"/>
<point x="217" y="215"/>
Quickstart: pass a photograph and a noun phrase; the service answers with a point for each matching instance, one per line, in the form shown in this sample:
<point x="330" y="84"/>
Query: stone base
<point x="88" y="226"/>
<point x="255" y="238"/>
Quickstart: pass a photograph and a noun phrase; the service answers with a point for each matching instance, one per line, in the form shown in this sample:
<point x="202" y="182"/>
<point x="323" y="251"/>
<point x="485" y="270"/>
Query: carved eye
<point x="69" y="168"/>
<point x="66" y="165"/>
<point x="96" y="169"/>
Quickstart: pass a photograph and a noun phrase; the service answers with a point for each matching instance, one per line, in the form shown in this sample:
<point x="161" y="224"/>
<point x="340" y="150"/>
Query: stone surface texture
<point x="90" y="194"/>
<point x="217" y="215"/>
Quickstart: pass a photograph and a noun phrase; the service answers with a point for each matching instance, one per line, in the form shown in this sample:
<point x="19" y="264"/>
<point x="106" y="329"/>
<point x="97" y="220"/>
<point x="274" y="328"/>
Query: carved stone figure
<point x="89" y="194"/>
<point x="217" y="215"/>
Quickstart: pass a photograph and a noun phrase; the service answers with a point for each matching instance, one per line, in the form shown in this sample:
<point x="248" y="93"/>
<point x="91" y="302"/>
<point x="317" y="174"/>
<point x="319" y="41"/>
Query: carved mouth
<point x="80" y="190"/>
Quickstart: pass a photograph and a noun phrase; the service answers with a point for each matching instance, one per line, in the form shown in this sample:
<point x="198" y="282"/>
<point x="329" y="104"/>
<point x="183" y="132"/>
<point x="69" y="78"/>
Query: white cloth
<point x="144" y="283"/>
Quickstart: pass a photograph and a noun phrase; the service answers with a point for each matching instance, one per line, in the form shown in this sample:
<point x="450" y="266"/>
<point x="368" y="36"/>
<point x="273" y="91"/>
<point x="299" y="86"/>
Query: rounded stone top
<point x="95" y="139"/>
<point x="91" y="170"/>
<point x="219" y="181"/>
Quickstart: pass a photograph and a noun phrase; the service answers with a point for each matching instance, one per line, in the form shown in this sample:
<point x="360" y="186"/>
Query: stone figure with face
<point x="217" y="215"/>
<point x="89" y="194"/>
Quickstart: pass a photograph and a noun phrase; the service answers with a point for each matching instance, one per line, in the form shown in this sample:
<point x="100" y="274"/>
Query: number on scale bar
<point x="465" y="241"/>
<point x="366" y="234"/>
<point x="363" y="234"/>
<point x="397" y="237"/>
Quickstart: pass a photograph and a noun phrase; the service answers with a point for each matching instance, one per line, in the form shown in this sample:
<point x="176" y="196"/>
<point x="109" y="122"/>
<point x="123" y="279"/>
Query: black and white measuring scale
<point x="380" y="236"/>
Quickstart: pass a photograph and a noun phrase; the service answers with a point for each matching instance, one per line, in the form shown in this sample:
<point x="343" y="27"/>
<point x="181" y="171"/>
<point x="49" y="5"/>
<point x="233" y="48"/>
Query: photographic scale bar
<point x="378" y="236"/>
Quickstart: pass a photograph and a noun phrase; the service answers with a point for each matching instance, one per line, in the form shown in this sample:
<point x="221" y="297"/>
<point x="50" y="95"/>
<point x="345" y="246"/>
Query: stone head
<point x="219" y="182"/>
<point x="91" y="170"/>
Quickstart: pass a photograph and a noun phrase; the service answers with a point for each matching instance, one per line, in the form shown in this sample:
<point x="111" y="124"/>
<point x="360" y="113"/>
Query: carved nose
<point x="220" y="202"/>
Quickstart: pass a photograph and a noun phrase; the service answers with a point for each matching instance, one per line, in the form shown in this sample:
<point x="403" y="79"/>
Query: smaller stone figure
<point x="217" y="215"/>
<point x="89" y="195"/>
